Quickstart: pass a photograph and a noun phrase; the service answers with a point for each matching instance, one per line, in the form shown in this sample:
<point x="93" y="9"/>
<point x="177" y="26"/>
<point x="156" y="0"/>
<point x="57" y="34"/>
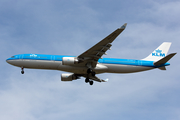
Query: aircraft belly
<point x="39" y="64"/>
<point x="100" y="68"/>
<point x="73" y="69"/>
<point x="82" y="69"/>
<point x="17" y="62"/>
<point x="126" y="68"/>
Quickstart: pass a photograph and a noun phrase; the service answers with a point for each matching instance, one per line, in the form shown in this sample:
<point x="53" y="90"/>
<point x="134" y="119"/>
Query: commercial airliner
<point x="90" y="63"/>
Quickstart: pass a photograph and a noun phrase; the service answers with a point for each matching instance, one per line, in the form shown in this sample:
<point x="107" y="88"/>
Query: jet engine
<point x="68" y="77"/>
<point x="69" y="60"/>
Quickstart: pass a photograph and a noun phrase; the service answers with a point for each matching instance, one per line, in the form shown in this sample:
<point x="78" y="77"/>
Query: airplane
<point x="90" y="63"/>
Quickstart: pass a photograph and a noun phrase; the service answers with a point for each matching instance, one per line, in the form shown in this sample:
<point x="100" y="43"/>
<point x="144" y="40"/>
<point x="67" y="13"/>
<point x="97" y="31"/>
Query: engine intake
<point x="69" y="60"/>
<point x="68" y="77"/>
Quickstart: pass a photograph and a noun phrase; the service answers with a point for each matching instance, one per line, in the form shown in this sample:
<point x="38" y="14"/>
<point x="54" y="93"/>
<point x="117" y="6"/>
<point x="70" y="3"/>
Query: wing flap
<point x="95" y="78"/>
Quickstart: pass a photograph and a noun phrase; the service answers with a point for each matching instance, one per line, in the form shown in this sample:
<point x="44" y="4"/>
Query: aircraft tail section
<point x="160" y="52"/>
<point x="162" y="68"/>
<point x="164" y="60"/>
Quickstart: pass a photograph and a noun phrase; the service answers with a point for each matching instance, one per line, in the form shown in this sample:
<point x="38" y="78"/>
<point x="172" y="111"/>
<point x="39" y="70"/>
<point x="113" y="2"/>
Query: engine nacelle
<point x="69" y="60"/>
<point x="68" y="77"/>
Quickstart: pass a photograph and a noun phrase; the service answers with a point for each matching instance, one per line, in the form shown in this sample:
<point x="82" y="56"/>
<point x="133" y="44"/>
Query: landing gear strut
<point x="93" y="73"/>
<point x="22" y="70"/>
<point x="89" y="70"/>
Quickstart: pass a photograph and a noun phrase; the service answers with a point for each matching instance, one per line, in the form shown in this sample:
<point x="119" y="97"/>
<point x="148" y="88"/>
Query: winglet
<point x="123" y="26"/>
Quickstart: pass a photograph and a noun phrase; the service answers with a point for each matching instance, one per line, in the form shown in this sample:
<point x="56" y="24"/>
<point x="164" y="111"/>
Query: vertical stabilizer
<point x="159" y="53"/>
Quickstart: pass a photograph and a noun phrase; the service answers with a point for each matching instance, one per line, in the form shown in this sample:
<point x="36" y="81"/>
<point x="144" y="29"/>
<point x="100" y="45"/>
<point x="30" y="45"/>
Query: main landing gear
<point x="90" y="81"/>
<point x="89" y="71"/>
<point x="22" y="70"/>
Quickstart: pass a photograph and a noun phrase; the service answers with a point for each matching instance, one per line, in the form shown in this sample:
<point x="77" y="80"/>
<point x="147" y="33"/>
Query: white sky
<point x="70" y="27"/>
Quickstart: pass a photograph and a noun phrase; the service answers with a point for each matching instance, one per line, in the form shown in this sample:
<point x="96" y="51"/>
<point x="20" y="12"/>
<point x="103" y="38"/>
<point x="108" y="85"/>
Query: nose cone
<point x="13" y="60"/>
<point x="8" y="61"/>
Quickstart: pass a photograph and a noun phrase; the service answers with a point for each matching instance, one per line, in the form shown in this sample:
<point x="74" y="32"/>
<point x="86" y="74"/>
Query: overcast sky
<point x="70" y="27"/>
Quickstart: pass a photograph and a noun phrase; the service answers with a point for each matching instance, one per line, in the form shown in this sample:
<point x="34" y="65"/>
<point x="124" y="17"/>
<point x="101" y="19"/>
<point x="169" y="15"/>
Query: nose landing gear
<point x="22" y="70"/>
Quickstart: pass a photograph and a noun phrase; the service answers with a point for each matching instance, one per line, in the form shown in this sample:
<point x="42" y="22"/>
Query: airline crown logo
<point x="158" y="53"/>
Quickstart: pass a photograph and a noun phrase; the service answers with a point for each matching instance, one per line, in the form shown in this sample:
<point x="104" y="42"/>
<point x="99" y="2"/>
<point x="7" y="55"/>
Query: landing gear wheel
<point x="91" y="82"/>
<point x="87" y="80"/>
<point x="22" y="72"/>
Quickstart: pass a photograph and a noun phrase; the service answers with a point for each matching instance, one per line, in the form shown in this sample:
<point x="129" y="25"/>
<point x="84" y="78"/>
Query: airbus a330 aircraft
<point x="90" y="63"/>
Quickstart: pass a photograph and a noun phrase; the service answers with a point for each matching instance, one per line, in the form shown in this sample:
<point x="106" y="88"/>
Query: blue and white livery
<point x="90" y="63"/>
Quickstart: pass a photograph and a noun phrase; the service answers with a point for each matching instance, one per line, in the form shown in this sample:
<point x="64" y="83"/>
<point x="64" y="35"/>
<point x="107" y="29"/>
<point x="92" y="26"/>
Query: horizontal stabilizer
<point x="162" y="68"/>
<point x="164" y="60"/>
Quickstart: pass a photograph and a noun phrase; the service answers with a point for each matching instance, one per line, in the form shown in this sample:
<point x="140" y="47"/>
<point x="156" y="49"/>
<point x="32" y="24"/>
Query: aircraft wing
<point x="95" y="53"/>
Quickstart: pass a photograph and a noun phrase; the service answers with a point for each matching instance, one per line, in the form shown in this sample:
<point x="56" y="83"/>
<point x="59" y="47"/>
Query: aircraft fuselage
<point x="105" y="65"/>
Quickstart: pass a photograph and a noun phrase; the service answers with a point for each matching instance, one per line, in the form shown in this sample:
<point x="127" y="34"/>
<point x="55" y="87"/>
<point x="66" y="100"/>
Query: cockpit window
<point x="13" y="57"/>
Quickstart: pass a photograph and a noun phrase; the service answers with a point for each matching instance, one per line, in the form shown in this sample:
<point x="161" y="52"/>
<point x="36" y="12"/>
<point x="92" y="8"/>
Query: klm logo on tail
<point x="158" y="53"/>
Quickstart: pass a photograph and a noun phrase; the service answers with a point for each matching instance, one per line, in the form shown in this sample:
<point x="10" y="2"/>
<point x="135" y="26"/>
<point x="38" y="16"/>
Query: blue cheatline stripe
<point x="103" y="61"/>
<point x="127" y="62"/>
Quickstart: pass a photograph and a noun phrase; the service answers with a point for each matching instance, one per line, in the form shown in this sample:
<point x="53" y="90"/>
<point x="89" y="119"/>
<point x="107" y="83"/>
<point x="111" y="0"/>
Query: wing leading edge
<point x="98" y="50"/>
